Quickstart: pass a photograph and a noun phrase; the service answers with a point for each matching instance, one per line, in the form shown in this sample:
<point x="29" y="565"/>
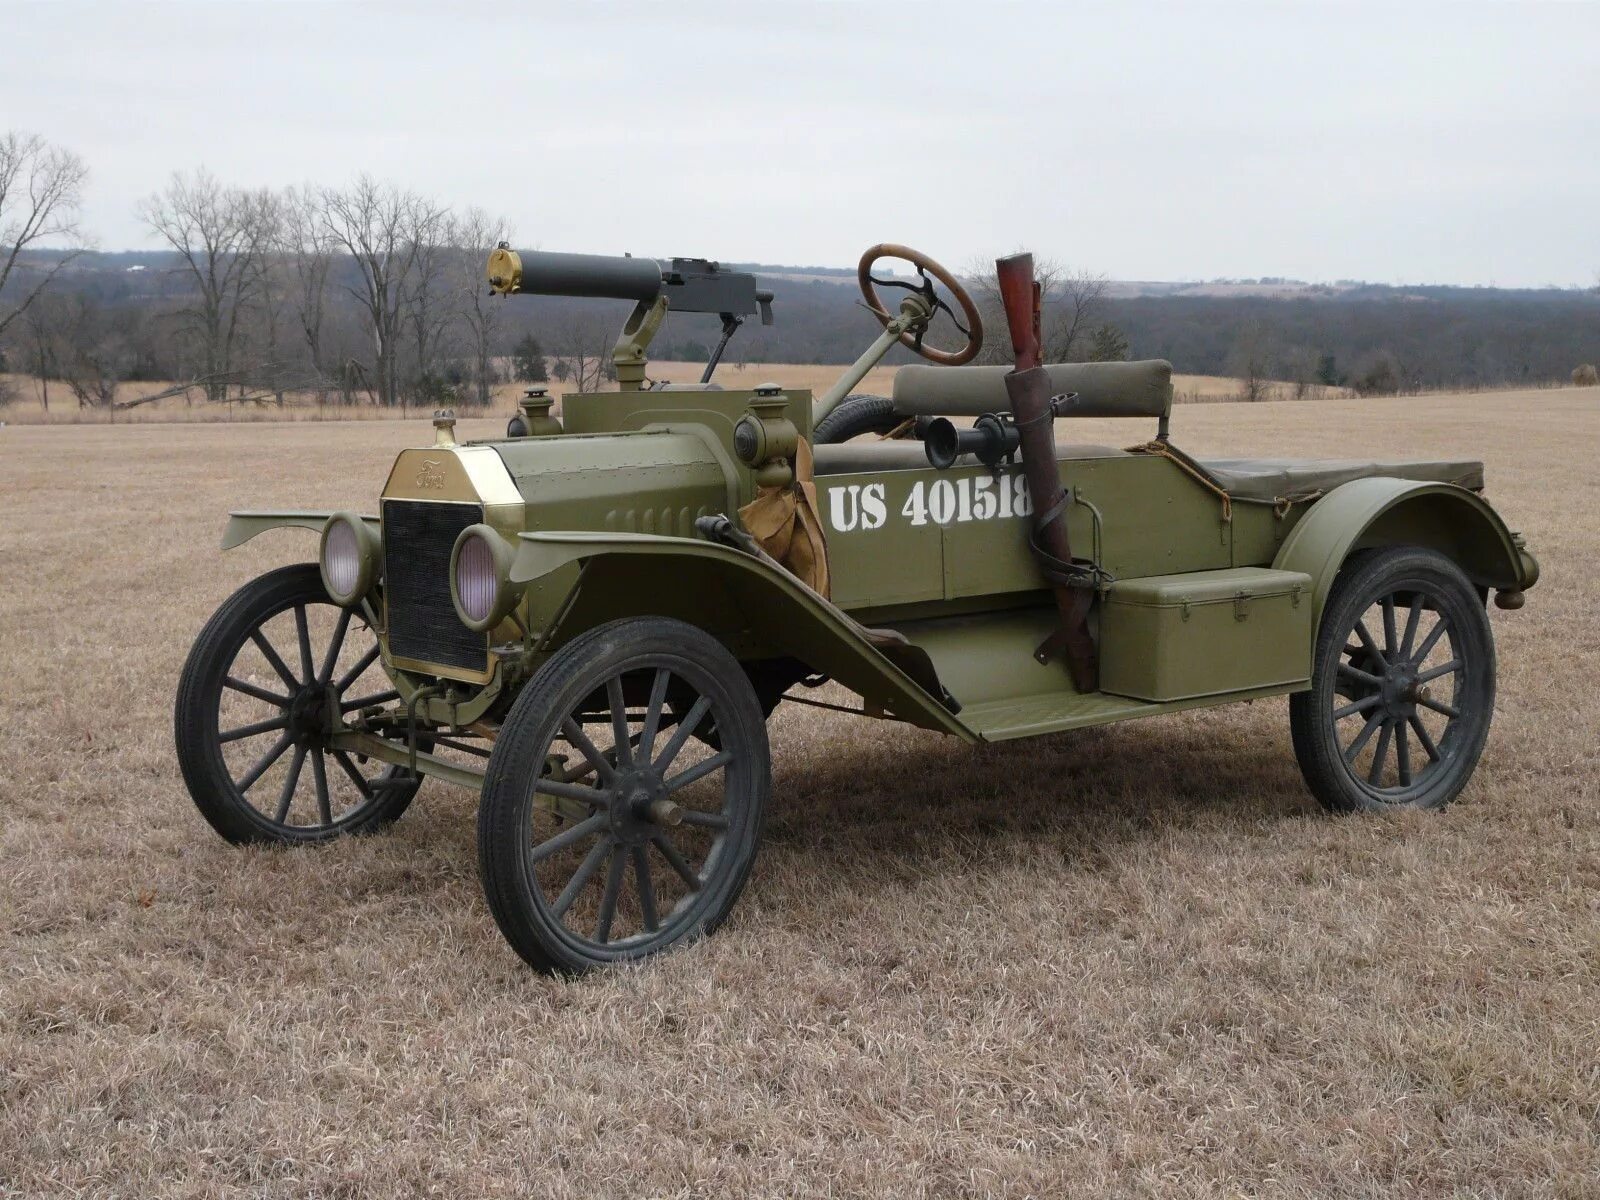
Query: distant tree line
<point x="373" y="293"/>
<point x="1377" y="340"/>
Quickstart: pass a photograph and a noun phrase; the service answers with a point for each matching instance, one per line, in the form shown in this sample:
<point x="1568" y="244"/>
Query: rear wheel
<point x="257" y="701"/>
<point x="1402" y="685"/>
<point x="624" y="800"/>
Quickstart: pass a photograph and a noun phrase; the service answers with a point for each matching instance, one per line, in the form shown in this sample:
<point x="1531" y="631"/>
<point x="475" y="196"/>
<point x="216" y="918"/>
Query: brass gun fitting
<point x="505" y="270"/>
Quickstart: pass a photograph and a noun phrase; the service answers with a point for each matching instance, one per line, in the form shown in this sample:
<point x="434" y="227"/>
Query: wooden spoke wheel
<point x="257" y="704"/>
<point x="1402" y="689"/>
<point x="624" y="799"/>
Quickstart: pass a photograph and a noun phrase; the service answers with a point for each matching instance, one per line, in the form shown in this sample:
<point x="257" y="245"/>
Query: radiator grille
<point x="423" y="626"/>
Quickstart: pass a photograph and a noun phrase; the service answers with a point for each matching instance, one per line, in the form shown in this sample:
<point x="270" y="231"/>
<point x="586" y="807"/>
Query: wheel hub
<point x="311" y="711"/>
<point x="1400" y="690"/>
<point x="641" y="801"/>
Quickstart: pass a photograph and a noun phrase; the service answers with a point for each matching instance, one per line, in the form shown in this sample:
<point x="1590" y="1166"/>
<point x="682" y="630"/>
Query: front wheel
<point x="624" y="799"/>
<point x="1402" y="685"/>
<point x="264" y="688"/>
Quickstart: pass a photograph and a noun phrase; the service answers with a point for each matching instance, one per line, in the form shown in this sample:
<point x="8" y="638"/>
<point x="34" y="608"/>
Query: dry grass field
<point x="28" y="409"/>
<point x="1134" y="960"/>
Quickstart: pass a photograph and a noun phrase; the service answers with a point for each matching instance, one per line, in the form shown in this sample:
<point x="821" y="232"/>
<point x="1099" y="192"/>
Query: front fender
<point x="1382" y="511"/>
<point x="758" y="610"/>
<point x="242" y="526"/>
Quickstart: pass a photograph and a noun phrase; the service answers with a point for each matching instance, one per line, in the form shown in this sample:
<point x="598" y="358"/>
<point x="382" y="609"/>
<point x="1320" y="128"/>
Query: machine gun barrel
<point x="546" y="273"/>
<point x="695" y="285"/>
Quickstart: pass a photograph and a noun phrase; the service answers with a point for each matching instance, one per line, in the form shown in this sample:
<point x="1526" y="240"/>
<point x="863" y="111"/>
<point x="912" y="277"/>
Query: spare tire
<point x="855" y="415"/>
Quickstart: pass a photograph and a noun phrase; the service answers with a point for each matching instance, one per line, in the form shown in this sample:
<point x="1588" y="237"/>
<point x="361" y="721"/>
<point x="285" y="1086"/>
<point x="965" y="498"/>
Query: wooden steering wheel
<point x="912" y="339"/>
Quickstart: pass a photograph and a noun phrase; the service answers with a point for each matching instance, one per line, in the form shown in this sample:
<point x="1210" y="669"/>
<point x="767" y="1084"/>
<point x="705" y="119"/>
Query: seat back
<point x="1110" y="389"/>
<point x="864" y="454"/>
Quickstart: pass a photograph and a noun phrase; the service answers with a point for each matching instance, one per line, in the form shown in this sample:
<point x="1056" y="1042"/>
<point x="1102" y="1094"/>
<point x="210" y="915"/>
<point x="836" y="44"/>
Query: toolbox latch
<point x="1240" y="612"/>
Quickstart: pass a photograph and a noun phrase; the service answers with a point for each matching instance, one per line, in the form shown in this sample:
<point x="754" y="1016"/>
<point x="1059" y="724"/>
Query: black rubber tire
<point x="195" y="729"/>
<point x="506" y="812"/>
<point x="1362" y="583"/>
<point x="855" y="415"/>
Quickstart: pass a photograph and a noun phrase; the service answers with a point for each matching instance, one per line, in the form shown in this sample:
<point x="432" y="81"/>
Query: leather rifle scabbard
<point x="1029" y="393"/>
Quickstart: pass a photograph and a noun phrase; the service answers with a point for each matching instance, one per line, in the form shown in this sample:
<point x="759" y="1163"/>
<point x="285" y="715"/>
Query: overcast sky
<point x="1439" y="142"/>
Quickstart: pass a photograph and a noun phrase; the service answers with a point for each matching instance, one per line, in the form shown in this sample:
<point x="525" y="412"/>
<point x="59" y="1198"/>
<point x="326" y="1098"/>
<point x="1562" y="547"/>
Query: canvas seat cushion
<point x="1109" y="389"/>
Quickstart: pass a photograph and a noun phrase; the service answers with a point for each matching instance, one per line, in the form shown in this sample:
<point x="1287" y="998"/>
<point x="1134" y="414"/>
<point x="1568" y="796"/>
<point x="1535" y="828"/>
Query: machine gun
<point x="687" y="285"/>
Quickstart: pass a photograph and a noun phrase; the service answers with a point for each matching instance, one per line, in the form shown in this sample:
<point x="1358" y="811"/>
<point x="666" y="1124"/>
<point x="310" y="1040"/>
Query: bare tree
<point x="220" y="235"/>
<point x="41" y="191"/>
<point x="1299" y="365"/>
<point x="1251" y="361"/>
<point x="429" y="299"/>
<point x="979" y="278"/>
<point x="377" y="224"/>
<point x="582" y="348"/>
<point x="268" y="339"/>
<point x="40" y="323"/>
<point x="1073" y="301"/>
<point x="93" y="350"/>
<point x="477" y="234"/>
<point x="307" y="247"/>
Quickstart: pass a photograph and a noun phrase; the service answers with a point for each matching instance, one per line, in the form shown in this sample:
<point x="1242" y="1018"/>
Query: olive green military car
<point x="590" y="619"/>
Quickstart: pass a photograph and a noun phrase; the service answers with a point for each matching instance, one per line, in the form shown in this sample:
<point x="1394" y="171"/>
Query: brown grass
<point x="27" y="408"/>
<point x="1212" y="389"/>
<point x="1132" y="960"/>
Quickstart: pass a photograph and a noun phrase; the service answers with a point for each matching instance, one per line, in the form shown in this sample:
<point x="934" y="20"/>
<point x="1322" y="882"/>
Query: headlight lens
<point x="480" y="578"/>
<point x="349" y="560"/>
<point x="476" y="581"/>
<point x="341" y="559"/>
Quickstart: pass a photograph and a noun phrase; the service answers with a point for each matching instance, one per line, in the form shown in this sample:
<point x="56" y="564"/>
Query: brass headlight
<point x="349" y="558"/>
<point x="480" y="578"/>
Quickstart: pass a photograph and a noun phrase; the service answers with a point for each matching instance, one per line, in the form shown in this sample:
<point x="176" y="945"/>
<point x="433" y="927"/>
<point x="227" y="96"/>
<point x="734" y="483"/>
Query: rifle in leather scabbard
<point x="1028" y="388"/>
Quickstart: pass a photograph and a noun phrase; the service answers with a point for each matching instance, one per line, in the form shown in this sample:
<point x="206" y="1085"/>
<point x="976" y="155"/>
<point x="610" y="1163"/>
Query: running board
<point x="1025" y="716"/>
<point x="986" y="660"/>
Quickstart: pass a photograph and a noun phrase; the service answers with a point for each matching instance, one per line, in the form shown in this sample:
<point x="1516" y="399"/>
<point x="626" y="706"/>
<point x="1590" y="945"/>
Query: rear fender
<point x="758" y="611"/>
<point x="1369" y="513"/>
<point x="242" y="526"/>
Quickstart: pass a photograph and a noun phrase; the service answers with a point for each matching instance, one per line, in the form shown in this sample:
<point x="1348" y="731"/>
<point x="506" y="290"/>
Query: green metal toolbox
<point x="1170" y="637"/>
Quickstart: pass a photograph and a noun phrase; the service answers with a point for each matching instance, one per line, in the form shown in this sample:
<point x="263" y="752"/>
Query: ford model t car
<point x="590" y="619"/>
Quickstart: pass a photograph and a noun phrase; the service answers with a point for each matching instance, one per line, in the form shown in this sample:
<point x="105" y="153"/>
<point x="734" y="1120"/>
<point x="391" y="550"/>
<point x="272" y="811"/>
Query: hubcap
<point x="1394" y="685"/>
